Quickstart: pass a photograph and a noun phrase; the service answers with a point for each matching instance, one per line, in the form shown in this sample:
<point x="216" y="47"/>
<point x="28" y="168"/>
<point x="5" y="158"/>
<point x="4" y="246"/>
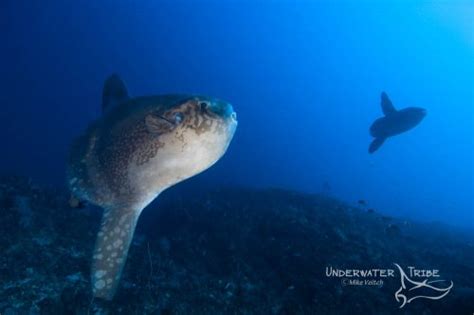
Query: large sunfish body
<point x="138" y="148"/>
<point x="394" y="122"/>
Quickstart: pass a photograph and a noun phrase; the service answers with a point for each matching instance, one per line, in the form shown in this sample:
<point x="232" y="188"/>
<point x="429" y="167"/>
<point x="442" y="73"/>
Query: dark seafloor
<point x="234" y="251"/>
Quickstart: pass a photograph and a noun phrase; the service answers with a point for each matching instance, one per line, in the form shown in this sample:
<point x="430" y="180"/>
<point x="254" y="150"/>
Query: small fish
<point x="362" y="202"/>
<point x="392" y="229"/>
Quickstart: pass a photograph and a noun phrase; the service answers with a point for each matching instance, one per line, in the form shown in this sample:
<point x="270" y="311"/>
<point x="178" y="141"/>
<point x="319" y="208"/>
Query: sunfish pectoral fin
<point x="114" y="92"/>
<point x="157" y="125"/>
<point x="111" y="249"/>
<point x="376" y="144"/>
<point x="387" y="106"/>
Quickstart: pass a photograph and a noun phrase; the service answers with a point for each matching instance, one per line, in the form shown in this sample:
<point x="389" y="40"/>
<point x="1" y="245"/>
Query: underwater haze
<point x="346" y="187"/>
<point x="305" y="78"/>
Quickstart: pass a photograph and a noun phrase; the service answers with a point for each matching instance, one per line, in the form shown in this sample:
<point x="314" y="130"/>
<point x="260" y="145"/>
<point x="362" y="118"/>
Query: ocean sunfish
<point x="394" y="122"/>
<point x="135" y="150"/>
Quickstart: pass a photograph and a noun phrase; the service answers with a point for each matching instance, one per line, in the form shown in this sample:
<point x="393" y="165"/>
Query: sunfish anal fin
<point x="111" y="249"/>
<point x="387" y="106"/>
<point x="376" y="144"/>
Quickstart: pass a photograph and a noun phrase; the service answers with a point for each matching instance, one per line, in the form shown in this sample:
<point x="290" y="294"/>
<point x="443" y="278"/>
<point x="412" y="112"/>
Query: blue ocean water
<point x="297" y="192"/>
<point x="304" y="77"/>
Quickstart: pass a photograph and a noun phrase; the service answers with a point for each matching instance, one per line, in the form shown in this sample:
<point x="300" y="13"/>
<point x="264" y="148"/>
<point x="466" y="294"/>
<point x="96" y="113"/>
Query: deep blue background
<point x="304" y="77"/>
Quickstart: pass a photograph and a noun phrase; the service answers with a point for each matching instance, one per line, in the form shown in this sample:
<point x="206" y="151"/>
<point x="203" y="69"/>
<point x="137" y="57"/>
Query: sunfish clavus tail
<point x="138" y="148"/>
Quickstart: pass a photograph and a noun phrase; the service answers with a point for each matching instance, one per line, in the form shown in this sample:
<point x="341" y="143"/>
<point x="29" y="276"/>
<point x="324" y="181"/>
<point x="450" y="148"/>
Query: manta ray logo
<point x="411" y="290"/>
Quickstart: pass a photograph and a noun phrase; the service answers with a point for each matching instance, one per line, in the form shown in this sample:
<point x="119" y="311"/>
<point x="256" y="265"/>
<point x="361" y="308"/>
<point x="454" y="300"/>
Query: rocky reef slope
<point x="233" y="251"/>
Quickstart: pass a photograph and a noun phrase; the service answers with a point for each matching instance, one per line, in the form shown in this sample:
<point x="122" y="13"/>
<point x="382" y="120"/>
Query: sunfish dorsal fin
<point x="114" y="92"/>
<point x="387" y="106"/>
<point x="111" y="249"/>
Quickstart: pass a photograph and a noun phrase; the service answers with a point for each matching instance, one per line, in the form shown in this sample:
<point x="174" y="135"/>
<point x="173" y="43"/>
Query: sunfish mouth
<point x="233" y="116"/>
<point x="220" y="108"/>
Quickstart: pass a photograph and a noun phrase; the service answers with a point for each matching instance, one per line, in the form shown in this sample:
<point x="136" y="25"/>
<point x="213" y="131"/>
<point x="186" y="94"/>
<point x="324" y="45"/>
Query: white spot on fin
<point x="99" y="284"/>
<point x="111" y="250"/>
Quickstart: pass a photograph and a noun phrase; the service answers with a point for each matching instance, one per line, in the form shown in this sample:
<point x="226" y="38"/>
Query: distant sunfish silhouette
<point x="138" y="148"/>
<point x="394" y="122"/>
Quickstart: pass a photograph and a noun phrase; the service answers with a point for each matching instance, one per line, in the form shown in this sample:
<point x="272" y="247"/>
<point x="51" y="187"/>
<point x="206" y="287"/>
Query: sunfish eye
<point x="178" y="118"/>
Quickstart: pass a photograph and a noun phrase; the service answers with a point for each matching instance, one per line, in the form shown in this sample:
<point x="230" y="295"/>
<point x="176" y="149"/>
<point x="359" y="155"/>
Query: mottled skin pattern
<point x="131" y="154"/>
